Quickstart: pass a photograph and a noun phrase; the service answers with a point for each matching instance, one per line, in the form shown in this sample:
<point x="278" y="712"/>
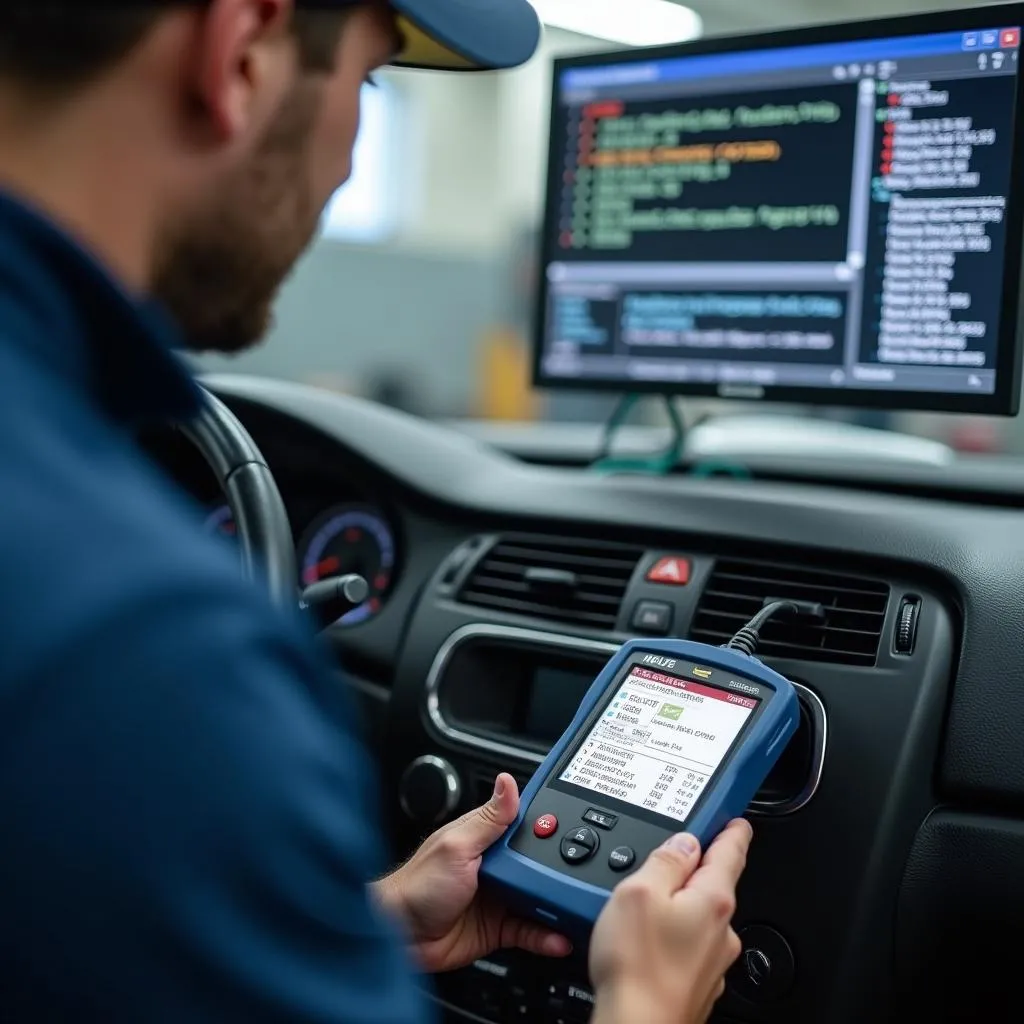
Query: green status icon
<point x="670" y="711"/>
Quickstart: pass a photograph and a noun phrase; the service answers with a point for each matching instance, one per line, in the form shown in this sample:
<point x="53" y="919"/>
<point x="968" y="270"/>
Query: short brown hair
<point x="57" y="46"/>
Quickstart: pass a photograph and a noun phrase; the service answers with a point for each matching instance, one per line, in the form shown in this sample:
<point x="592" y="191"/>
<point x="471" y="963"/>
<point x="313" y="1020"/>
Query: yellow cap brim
<point x="421" y="51"/>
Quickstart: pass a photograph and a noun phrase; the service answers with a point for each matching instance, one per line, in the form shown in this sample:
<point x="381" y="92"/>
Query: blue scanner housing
<point x="527" y="871"/>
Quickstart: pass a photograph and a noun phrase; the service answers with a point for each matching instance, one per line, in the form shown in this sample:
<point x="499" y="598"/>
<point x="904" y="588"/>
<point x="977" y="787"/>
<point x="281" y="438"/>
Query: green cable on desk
<point x="662" y="461"/>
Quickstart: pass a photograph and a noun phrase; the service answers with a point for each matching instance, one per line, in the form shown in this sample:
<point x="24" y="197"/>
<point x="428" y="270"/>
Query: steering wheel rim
<point x="264" y="532"/>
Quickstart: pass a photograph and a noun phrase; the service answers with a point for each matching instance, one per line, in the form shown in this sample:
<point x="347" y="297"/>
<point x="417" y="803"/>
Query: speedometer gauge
<point x="351" y="539"/>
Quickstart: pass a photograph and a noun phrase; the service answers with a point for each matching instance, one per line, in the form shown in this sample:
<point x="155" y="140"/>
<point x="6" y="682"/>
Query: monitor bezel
<point x="1004" y="401"/>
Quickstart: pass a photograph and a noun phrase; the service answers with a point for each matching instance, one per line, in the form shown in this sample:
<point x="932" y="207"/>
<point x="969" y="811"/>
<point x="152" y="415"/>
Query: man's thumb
<point x="489" y="822"/>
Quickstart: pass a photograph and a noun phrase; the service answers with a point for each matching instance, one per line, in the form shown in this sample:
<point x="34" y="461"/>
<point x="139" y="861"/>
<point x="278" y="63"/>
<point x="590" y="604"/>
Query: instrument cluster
<point x="345" y="538"/>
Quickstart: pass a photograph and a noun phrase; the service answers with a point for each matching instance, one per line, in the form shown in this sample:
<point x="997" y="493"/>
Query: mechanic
<point x="188" y="823"/>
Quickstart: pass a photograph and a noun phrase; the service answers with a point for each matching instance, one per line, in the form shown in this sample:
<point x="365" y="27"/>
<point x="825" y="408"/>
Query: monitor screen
<point x="659" y="741"/>
<point x="820" y="216"/>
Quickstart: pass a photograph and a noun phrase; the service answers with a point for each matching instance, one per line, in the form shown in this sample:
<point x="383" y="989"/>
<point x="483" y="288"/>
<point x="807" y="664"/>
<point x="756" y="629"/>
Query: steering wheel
<point x="264" y="533"/>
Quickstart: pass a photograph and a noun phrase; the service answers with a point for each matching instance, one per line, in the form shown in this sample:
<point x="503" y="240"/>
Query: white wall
<point x="524" y="107"/>
<point x="449" y="158"/>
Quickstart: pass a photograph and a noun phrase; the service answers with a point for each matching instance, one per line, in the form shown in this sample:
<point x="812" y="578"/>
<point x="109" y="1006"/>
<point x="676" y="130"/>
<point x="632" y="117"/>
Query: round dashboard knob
<point x="765" y="968"/>
<point x="430" y="789"/>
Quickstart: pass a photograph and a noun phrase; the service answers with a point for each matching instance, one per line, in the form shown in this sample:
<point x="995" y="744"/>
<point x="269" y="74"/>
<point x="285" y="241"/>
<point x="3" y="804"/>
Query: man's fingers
<point x="725" y="860"/>
<point x="668" y="867"/>
<point x="519" y="934"/>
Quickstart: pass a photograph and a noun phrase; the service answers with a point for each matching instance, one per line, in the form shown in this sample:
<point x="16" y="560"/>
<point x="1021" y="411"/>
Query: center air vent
<point x="561" y="580"/>
<point x="854" y="611"/>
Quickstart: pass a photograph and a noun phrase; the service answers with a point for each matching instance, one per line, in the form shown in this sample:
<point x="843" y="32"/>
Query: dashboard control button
<point x="584" y="836"/>
<point x="600" y="818"/>
<point x="906" y="625"/>
<point x="555" y="1008"/>
<point x="766" y="968"/>
<point x="621" y="858"/>
<point x="673" y="569"/>
<point x="569" y="1003"/>
<point x="757" y="966"/>
<point x="546" y="825"/>
<point x="581" y="1000"/>
<point x="519" y="1003"/>
<point x="654" y="617"/>
<point x="491" y="967"/>
<point x="429" y="790"/>
<point x="574" y="853"/>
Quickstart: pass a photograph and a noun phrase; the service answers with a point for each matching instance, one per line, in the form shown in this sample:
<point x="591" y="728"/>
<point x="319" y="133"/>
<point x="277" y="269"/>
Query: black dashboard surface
<point x="974" y="553"/>
<point x="924" y="766"/>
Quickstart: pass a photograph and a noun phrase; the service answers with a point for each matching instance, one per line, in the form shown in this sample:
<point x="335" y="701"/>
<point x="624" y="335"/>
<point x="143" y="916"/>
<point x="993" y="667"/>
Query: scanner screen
<point x="659" y="741"/>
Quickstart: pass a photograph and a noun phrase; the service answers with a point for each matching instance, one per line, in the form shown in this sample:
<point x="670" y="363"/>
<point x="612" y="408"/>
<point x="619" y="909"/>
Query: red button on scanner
<point x="672" y="569"/>
<point x="546" y="825"/>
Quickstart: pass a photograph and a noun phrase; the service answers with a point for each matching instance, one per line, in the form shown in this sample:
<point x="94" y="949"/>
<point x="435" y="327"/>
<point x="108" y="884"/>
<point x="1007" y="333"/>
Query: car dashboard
<point x="885" y="877"/>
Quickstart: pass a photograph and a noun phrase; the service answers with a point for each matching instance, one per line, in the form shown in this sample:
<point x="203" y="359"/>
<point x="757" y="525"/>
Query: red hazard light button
<point x="546" y="825"/>
<point x="672" y="569"/>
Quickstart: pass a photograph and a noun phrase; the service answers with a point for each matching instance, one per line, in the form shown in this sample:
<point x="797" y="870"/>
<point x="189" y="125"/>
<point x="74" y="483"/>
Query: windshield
<point x="421" y="291"/>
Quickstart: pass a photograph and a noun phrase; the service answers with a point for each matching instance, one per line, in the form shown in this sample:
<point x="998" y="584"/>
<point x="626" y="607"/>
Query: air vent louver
<point x="562" y="580"/>
<point x="854" y="611"/>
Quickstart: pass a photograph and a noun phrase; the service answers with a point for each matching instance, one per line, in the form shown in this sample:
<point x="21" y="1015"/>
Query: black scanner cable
<point x="747" y="639"/>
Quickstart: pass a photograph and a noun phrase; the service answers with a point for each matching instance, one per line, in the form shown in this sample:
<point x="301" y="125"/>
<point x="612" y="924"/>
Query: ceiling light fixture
<point x="631" y="22"/>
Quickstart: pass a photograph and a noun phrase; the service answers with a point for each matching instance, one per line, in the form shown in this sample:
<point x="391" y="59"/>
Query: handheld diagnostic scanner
<point x="672" y="736"/>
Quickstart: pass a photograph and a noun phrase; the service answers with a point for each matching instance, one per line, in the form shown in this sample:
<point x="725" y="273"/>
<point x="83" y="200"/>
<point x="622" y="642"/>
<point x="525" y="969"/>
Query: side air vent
<point x="854" y="611"/>
<point x="562" y="580"/>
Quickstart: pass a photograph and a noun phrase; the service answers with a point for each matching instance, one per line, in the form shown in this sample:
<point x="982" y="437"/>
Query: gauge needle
<point x="327" y="566"/>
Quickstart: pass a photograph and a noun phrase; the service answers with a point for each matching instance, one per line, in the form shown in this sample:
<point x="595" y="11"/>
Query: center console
<point x="481" y="690"/>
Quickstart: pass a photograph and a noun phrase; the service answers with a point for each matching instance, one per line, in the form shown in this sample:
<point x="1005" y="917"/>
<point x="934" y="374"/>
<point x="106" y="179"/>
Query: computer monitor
<point x="831" y="215"/>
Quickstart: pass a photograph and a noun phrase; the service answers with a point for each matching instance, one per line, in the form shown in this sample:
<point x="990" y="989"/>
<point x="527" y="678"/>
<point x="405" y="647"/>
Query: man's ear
<point x="243" y="62"/>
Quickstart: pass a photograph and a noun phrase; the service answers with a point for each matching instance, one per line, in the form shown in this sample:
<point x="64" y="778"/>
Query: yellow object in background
<point x="505" y="392"/>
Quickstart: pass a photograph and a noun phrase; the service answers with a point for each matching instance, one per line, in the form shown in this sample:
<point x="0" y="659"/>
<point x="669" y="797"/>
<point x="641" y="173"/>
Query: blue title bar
<point x="679" y="69"/>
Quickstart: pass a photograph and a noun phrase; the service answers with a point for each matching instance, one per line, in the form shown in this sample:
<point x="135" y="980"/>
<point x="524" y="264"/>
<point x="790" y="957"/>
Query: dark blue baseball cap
<point x="459" y="35"/>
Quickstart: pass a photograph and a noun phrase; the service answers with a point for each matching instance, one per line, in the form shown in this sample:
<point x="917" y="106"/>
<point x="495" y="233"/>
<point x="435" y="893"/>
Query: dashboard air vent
<point x="854" y="611"/>
<point x="580" y="582"/>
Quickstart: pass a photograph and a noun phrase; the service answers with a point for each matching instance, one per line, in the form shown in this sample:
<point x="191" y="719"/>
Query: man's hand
<point x="435" y="893"/>
<point x="662" y="945"/>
